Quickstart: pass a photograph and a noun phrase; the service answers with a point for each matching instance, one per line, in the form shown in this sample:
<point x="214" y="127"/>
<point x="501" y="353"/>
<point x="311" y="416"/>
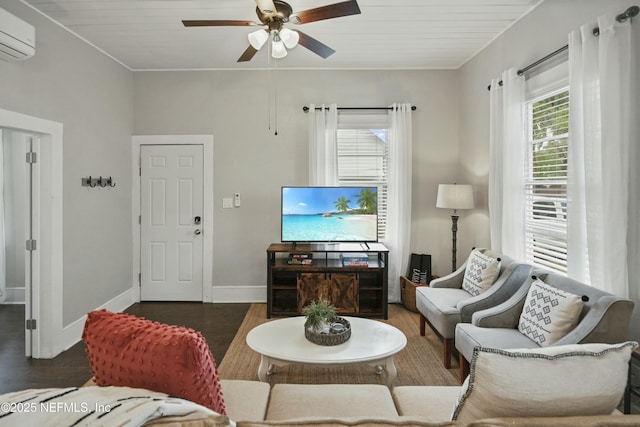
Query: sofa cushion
<point x="431" y="403"/>
<point x="194" y="419"/>
<point x="468" y="337"/>
<point x="126" y="350"/>
<point x="442" y="301"/>
<point x="438" y="305"/>
<point x="330" y="421"/>
<point x="548" y="313"/>
<point x="592" y="421"/>
<point x="246" y="400"/>
<point x="480" y="273"/>
<point x="291" y="401"/>
<point x="571" y="380"/>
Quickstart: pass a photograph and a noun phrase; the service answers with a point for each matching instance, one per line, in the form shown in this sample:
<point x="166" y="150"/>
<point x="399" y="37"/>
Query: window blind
<point x="363" y="158"/>
<point x="546" y="180"/>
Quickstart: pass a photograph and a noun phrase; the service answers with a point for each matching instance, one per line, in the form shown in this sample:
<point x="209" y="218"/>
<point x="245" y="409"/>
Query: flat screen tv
<point x="329" y="214"/>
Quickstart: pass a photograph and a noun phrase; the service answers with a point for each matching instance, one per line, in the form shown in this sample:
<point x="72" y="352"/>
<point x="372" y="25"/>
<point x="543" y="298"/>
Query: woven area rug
<point x="420" y="363"/>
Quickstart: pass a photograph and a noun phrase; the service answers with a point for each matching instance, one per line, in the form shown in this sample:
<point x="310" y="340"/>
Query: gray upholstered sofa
<point x="444" y="303"/>
<point x="604" y="318"/>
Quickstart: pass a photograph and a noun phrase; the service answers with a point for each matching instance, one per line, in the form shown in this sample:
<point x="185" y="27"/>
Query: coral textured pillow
<point x="126" y="350"/>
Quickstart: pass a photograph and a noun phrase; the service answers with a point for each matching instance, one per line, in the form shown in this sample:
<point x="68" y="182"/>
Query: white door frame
<point x="47" y="275"/>
<point x="207" y="217"/>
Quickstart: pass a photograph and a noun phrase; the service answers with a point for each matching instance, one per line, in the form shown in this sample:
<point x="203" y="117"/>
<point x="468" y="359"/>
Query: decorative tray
<point x="339" y="332"/>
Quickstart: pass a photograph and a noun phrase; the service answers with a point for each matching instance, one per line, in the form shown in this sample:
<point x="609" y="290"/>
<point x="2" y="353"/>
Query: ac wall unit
<point x="17" y="38"/>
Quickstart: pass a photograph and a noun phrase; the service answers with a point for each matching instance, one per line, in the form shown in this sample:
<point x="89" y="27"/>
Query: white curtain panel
<point x="507" y="150"/>
<point x="496" y="172"/>
<point x="601" y="127"/>
<point x="3" y="266"/>
<point x="323" y="157"/>
<point x="398" y="231"/>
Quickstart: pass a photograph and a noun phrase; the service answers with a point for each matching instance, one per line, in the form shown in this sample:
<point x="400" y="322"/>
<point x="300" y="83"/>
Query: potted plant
<point x="320" y="314"/>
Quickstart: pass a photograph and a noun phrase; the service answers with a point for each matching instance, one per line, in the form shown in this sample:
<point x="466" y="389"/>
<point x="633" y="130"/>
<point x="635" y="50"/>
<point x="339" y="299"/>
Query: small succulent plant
<point x="319" y="313"/>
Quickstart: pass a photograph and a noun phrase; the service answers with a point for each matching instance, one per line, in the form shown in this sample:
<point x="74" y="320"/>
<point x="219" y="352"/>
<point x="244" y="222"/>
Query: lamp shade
<point x="454" y="196"/>
<point x="258" y="38"/>
<point x="289" y="37"/>
<point x="277" y="48"/>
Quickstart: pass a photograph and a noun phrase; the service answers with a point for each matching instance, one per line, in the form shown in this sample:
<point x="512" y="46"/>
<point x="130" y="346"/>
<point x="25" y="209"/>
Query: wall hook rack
<point x="93" y="182"/>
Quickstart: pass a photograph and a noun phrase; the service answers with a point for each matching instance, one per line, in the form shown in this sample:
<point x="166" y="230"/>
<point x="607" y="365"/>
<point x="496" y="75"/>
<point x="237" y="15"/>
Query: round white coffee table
<point x="281" y="342"/>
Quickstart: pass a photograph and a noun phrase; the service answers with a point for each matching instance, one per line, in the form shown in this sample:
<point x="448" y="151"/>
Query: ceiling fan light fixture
<point x="289" y="38"/>
<point x="278" y="50"/>
<point x="266" y="6"/>
<point x="257" y="39"/>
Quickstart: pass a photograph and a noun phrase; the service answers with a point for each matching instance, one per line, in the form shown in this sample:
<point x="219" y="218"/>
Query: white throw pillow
<point x="566" y="380"/>
<point x="548" y="313"/>
<point x="480" y="273"/>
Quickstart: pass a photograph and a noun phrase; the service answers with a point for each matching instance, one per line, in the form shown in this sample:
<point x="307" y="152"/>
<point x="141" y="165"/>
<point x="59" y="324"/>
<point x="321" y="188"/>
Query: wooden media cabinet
<point x="337" y="272"/>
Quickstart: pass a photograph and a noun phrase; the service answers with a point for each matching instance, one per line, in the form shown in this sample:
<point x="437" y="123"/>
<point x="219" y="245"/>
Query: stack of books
<point x="300" y="259"/>
<point x="355" y="259"/>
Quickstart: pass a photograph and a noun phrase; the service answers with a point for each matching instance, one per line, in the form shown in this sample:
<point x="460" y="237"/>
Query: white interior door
<point x="171" y="243"/>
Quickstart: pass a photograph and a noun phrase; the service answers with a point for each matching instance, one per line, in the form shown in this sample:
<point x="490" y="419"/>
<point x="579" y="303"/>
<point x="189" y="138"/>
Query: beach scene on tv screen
<point x="326" y="214"/>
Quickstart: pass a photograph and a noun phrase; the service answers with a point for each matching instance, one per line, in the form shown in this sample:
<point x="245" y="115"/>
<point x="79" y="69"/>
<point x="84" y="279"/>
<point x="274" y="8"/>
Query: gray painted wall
<point x="98" y="101"/>
<point x="541" y="32"/>
<point x="70" y="82"/>
<point x="249" y="159"/>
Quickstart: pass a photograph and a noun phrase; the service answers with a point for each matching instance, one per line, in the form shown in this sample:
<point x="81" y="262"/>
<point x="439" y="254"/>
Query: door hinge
<point x="140" y="279"/>
<point x="31" y="245"/>
<point x="139" y="219"/>
<point x="31" y="157"/>
<point x="31" y="324"/>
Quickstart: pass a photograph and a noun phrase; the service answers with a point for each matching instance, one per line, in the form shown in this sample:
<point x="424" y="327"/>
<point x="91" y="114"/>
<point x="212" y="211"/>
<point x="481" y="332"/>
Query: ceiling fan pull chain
<point x="275" y="96"/>
<point x="269" y="79"/>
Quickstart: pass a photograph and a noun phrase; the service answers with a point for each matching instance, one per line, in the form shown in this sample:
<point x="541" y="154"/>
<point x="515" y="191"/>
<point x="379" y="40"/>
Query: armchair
<point x="444" y="303"/>
<point x="604" y="319"/>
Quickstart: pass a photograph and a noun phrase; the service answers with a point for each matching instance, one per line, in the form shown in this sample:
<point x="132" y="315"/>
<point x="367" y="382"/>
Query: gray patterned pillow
<point x="549" y="313"/>
<point x="481" y="272"/>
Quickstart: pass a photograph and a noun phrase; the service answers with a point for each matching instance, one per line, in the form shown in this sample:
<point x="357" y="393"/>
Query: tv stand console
<point x="352" y="276"/>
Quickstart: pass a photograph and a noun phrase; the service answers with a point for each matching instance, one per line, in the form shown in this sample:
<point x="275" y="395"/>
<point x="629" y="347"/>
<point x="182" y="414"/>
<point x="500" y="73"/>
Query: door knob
<point x="197" y="231"/>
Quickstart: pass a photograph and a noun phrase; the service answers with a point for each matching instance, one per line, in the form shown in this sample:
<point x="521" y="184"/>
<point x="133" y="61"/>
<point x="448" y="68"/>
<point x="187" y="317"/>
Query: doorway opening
<point x="43" y="280"/>
<point x="16" y="191"/>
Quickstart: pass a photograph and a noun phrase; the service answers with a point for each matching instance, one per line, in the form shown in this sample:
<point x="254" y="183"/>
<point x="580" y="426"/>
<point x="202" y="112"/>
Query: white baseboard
<point x="72" y="333"/>
<point x="229" y="294"/>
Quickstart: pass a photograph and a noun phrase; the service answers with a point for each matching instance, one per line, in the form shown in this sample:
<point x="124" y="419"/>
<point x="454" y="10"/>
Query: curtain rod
<point x="306" y="109"/>
<point x="627" y="14"/>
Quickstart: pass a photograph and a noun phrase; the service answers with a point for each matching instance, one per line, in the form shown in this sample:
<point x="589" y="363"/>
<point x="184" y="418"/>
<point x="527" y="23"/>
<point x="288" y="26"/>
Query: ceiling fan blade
<point x="266" y="6"/>
<point x="314" y="45"/>
<point x="218" y="23"/>
<point x="248" y="54"/>
<point x="336" y="10"/>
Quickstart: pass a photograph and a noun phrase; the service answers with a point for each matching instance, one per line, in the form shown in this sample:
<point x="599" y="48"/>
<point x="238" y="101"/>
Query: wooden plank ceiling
<point x="391" y="34"/>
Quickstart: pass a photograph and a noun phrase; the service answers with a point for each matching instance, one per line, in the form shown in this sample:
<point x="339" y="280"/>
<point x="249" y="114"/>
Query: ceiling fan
<point x="273" y="14"/>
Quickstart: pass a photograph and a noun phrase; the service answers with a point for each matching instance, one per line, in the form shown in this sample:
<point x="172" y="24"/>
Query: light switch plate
<point x="227" y="203"/>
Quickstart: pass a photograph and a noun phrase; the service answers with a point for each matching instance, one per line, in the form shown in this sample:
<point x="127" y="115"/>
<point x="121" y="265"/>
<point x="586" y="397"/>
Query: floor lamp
<point x="453" y="196"/>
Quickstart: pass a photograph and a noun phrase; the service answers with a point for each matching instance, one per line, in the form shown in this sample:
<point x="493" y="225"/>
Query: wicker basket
<point x="408" y="293"/>
<point x="330" y="339"/>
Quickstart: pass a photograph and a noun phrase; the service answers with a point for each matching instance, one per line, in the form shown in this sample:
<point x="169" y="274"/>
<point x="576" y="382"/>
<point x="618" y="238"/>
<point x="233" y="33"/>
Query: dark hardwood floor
<point x="218" y="323"/>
